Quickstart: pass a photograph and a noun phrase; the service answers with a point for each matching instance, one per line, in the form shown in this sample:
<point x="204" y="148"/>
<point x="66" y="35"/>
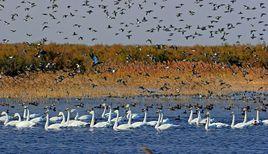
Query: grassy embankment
<point x="66" y="70"/>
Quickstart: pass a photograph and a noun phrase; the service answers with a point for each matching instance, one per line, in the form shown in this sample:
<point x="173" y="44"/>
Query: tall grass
<point x="19" y="58"/>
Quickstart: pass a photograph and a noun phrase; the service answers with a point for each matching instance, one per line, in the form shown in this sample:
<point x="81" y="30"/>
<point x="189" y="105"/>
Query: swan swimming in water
<point x="238" y="125"/>
<point x="25" y="113"/>
<point x="122" y="127"/>
<point x="215" y="124"/>
<point x="83" y="117"/>
<point x="153" y="123"/>
<point x="11" y="123"/>
<point x="160" y="126"/>
<point x="265" y="122"/>
<point x="36" y="119"/>
<point x="73" y="123"/>
<point x="197" y="121"/>
<point x="140" y="123"/>
<point x="254" y="121"/>
<point x="55" y="119"/>
<point x="100" y="124"/>
<point x="4" y="117"/>
<point x="53" y="126"/>
<point x="26" y="123"/>
<point x="190" y="119"/>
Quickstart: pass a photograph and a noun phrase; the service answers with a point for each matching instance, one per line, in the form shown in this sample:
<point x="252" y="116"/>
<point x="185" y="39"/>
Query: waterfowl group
<point x="110" y="117"/>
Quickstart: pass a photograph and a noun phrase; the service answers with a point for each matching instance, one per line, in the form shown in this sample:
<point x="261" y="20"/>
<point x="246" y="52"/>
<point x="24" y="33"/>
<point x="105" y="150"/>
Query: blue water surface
<point x="183" y="139"/>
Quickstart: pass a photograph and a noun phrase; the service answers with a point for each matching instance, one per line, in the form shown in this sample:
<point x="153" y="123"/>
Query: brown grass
<point x="140" y="70"/>
<point x="175" y="77"/>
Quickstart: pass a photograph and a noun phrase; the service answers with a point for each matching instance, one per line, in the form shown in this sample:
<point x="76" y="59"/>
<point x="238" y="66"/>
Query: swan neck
<point x="130" y="118"/>
<point x="63" y="118"/>
<point x="76" y="116"/>
<point x="190" y="117"/>
<point x="158" y="121"/>
<point x="110" y="116"/>
<point x="233" y="120"/>
<point x="161" y="120"/>
<point x="207" y="123"/>
<point x="19" y="117"/>
<point x="47" y="121"/>
<point x="68" y="116"/>
<point x="24" y="113"/>
<point x="103" y="113"/>
<point x="28" y="115"/>
<point x="92" y="120"/>
<point x="116" y="121"/>
<point x="258" y="116"/>
<point x="245" y="117"/>
<point x="145" y="117"/>
<point x="6" y="121"/>
<point x="198" y="118"/>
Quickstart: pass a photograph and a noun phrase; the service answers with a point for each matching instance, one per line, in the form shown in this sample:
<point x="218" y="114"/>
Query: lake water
<point x="183" y="139"/>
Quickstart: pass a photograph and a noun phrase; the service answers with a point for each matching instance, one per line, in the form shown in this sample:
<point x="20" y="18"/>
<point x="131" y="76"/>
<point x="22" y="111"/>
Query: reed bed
<point x="130" y="70"/>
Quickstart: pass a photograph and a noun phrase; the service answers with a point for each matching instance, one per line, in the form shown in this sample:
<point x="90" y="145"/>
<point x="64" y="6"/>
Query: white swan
<point x="118" y="119"/>
<point x="63" y="121"/>
<point x="74" y="123"/>
<point x="53" y="126"/>
<point x="245" y="116"/>
<point x="104" y="111"/>
<point x="207" y="123"/>
<point x="265" y="122"/>
<point x="100" y="124"/>
<point x="31" y="116"/>
<point x="160" y="126"/>
<point x="190" y="119"/>
<point x="83" y="117"/>
<point x="55" y="119"/>
<point x="215" y="124"/>
<point x="140" y="123"/>
<point x="11" y="123"/>
<point x="4" y="117"/>
<point x="238" y="125"/>
<point x="253" y="121"/>
<point x="122" y="127"/>
<point x="36" y="119"/>
<point x="197" y="121"/>
<point x="133" y="115"/>
<point x="153" y="123"/>
<point x="26" y="123"/>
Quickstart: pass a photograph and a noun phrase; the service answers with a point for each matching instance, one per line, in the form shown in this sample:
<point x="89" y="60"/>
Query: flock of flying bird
<point x="119" y="22"/>
<point x="110" y="118"/>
